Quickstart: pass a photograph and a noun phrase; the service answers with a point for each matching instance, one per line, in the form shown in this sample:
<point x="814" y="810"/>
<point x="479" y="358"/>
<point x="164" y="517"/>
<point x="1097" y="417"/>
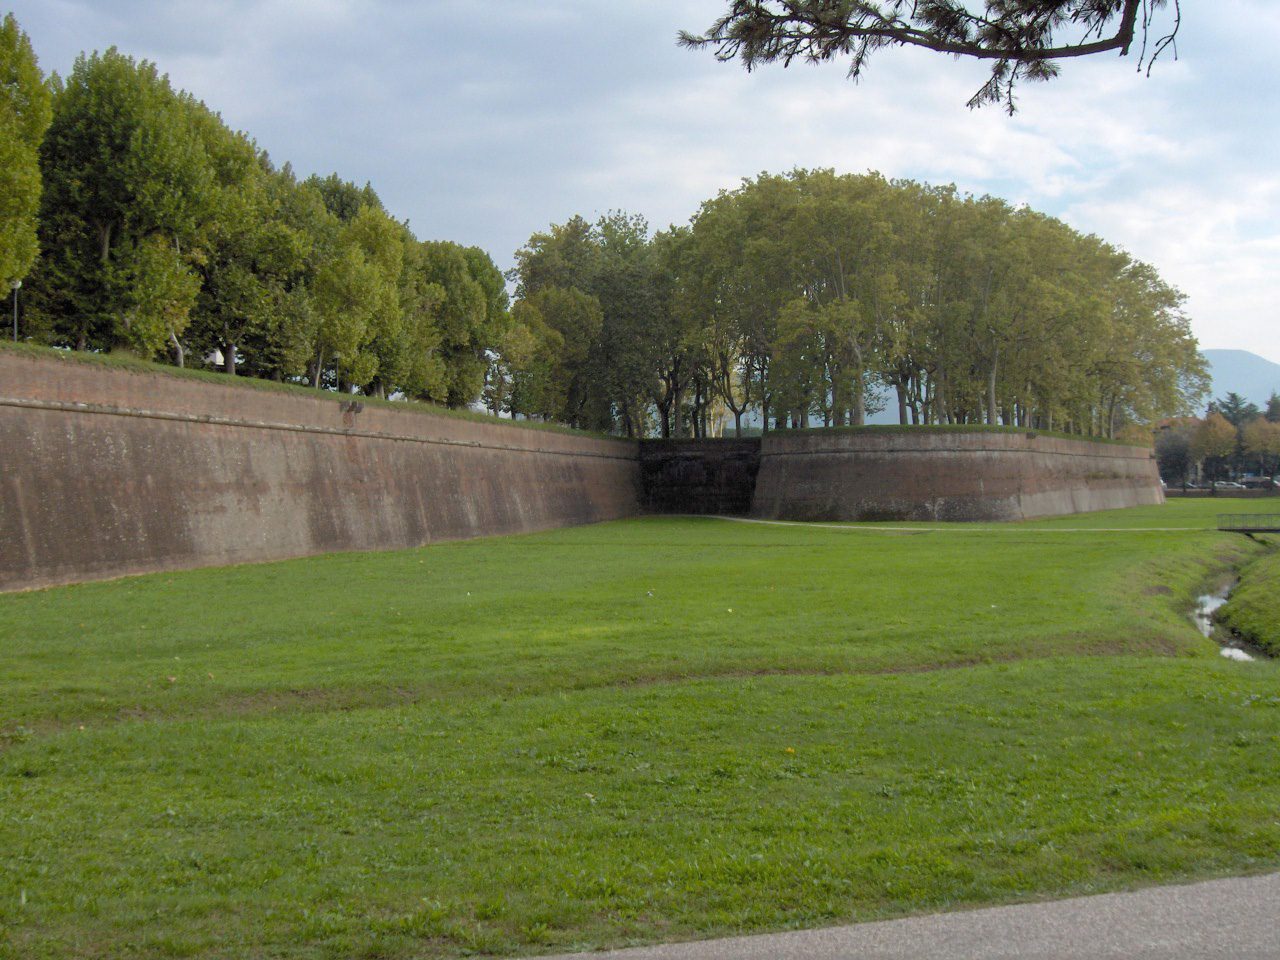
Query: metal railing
<point x="1249" y="522"/>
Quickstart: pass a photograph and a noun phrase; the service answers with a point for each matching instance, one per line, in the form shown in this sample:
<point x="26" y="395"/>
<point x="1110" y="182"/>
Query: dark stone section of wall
<point x="947" y="475"/>
<point x="698" y="476"/>
<point x="161" y="473"/>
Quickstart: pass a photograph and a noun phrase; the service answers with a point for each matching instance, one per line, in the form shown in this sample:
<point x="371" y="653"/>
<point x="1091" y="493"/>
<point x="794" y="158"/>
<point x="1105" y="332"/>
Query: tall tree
<point x="356" y="298"/>
<point x="25" y="114"/>
<point x="1214" y="439"/>
<point x="463" y="321"/>
<point x="552" y="376"/>
<point x="128" y="188"/>
<point x="420" y="369"/>
<point x="284" y="345"/>
<point x="614" y="262"/>
<point x="250" y="257"/>
<point x="1261" y="439"/>
<point x="1236" y="409"/>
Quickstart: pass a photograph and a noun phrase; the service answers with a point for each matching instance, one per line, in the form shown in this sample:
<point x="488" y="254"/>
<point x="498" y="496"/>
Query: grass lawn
<point x="647" y="730"/>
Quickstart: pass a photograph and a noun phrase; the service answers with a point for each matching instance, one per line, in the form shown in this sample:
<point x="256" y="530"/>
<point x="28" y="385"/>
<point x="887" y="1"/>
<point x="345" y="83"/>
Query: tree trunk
<point x="104" y="242"/>
<point x="229" y="358"/>
<point x="992" y="417"/>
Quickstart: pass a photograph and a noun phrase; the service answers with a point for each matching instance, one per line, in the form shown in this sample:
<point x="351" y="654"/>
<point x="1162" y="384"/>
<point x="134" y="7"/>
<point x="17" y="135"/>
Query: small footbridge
<point x="1249" y="523"/>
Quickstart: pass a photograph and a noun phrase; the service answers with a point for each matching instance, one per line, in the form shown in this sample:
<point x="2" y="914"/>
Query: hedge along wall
<point x="109" y="472"/>
<point x="947" y="474"/>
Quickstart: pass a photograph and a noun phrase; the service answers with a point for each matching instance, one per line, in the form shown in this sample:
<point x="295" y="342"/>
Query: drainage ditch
<point x="1232" y="647"/>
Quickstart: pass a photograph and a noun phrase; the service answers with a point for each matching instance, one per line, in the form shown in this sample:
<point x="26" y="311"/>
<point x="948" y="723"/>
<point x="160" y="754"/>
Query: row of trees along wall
<point x="163" y="232"/>
<point x="793" y="299"/>
<point x="798" y="297"/>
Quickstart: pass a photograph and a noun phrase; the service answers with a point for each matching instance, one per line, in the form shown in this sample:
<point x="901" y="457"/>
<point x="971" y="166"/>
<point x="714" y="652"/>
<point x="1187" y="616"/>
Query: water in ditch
<point x="1206" y="604"/>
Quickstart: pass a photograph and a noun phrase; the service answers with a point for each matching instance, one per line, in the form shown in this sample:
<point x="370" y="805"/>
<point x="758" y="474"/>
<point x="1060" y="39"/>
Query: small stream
<point x="1206" y="604"/>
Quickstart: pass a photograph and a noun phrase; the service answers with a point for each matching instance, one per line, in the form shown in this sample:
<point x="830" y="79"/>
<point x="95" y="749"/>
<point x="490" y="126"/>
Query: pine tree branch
<point x="1017" y="34"/>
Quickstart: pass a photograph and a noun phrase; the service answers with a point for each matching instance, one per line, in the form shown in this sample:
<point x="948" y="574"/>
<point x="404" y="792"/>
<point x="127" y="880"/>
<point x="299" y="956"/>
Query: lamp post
<point x="17" y="284"/>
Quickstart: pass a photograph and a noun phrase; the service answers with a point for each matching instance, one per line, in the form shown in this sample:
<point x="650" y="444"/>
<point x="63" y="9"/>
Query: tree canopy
<point x="796" y="299"/>
<point x="800" y="297"/>
<point x="167" y="234"/>
<point x="25" y="114"/>
<point x="1022" y="39"/>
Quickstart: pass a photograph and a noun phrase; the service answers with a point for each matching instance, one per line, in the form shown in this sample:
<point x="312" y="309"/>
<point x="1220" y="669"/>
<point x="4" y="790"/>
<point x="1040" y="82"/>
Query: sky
<point x="484" y="123"/>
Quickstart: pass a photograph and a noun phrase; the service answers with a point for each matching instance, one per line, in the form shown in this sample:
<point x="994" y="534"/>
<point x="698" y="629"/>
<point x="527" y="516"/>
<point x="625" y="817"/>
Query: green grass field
<point x="648" y="730"/>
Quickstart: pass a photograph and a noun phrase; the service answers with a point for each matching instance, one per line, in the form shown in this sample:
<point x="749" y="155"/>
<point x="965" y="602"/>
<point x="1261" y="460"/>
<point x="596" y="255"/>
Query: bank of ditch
<point x="1252" y="612"/>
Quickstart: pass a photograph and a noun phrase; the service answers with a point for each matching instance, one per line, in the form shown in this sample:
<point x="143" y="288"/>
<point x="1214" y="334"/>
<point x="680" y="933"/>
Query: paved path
<point x="1234" y="919"/>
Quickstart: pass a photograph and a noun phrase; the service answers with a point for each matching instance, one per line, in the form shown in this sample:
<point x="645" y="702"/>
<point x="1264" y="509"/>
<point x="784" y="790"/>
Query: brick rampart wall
<point x="108" y="472"/>
<point x="913" y="474"/>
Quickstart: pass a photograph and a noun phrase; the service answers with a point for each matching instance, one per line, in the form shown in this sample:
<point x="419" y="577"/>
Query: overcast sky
<point x="485" y="122"/>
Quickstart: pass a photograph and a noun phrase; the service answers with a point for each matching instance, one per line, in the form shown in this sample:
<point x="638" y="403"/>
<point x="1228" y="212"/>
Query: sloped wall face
<point x="159" y="473"/>
<point x="715" y="477"/>
<point x="947" y="475"/>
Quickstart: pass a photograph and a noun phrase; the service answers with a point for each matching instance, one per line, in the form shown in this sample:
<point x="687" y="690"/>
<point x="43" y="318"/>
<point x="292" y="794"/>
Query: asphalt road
<point x="1232" y="919"/>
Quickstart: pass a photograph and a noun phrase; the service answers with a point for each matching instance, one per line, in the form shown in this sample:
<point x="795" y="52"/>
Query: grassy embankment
<point x="647" y="730"/>
<point x="128" y="362"/>
<point x="1254" y="608"/>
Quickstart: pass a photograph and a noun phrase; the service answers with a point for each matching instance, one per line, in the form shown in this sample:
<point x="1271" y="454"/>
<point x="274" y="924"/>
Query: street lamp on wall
<point x="17" y="285"/>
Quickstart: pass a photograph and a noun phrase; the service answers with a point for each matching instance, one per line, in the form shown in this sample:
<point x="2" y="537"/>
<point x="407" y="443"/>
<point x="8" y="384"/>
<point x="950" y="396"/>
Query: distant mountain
<point x="1242" y="372"/>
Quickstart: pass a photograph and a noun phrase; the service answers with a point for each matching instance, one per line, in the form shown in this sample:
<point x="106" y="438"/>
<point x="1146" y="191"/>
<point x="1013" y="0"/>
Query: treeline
<point x="1234" y="439"/>
<point x="800" y="298"/>
<point x="164" y="233"/>
<point x="794" y="300"/>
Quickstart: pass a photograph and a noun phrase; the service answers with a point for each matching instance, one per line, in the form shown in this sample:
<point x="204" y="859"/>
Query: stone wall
<point x="698" y="476"/>
<point x="921" y="474"/>
<point x="108" y="472"/>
